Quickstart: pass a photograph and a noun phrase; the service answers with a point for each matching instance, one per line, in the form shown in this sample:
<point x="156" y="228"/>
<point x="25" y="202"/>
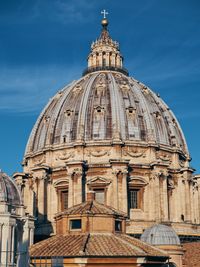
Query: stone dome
<point x="9" y="192"/>
<point x="160" y="234"/>
<point x="106" y="106"/>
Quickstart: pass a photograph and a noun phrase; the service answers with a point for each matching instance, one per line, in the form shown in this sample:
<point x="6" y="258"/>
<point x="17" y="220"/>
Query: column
<point x="100" y="58"/>
<point x="119" y="184"/>
<point x="113" y="60"/>
<point x="118" y="61"/>
<point x="75" y="172"/>
<point x="188" y="206"/>
<point x="107" y="58"/>
<point x="165" y="216"/>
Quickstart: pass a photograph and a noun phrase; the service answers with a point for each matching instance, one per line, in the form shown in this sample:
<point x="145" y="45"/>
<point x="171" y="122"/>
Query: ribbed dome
<point x="106" y="106"/>
<point x="160" y="234"/>
<point x="9" y="192"/>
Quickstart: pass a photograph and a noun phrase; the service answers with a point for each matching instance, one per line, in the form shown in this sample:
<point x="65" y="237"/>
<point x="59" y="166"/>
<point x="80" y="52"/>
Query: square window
<point x="75" y="224"/>
<point x="57" y="262"/>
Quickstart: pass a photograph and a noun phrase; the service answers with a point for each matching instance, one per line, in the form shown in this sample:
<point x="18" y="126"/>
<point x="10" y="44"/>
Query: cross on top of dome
<point x="104" y="12"/>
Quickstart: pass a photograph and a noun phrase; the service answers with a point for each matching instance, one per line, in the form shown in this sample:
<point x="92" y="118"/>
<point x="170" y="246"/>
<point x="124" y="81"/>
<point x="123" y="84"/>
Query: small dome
<point x="160" y="234"/>
<point x="9" y="192"/>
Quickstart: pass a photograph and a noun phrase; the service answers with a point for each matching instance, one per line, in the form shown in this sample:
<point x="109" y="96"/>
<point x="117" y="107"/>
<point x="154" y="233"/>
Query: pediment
<point x="137" y="181"/>
<point x="99" y="181"/>
<point x="61" y="183"/>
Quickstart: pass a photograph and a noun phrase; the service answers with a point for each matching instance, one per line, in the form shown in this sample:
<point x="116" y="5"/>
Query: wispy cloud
<point x="58" y="10"/>
<point x="28" y="89"/>
<point x="74" y="10"/>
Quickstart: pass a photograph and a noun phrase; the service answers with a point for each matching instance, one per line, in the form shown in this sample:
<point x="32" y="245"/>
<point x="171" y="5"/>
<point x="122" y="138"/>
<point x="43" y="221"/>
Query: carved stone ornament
<point x="39" y="160"/>
<point x="65" y="155"/>
<point x="75" y="172"/>
<point x="119" y="170"/>
<point x="182" y="163"/>
<point x="164" y="157"/>
<point x="125" y="87"/>
<point x="135" y="152"/>
<point x="77" y="89"/>
<point x="145" y="90"/>
<point x="170" y="183"/>
<point x="98" y="153"/>
<point x="159" y="174"/>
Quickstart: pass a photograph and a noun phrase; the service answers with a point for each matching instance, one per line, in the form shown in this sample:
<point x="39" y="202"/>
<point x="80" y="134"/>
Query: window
<point x="57" y="262"/>
<point x="118" y="226"/>
<point x="75" y="224"/>
<point x="64" y="200"/>
<point x="100" y="195"/>
<point x="134" y="198"/>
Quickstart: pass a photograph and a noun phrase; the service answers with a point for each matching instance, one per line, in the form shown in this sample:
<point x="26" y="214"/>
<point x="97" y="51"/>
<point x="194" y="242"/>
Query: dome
<point x="160" y="234"/>
<point x="9" y="192"/>
<point x="106" y="106"/>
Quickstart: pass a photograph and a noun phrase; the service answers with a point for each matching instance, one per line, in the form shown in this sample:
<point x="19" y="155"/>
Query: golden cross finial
<point x="104" y="13"/>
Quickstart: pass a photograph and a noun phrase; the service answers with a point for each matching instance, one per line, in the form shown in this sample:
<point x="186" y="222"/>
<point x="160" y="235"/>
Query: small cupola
<point x="90" y="217"/>
<point x="105" y="53"/>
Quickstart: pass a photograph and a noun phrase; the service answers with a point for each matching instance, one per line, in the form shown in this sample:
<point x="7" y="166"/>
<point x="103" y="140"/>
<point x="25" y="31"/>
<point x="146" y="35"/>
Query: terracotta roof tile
<point x="72" y="245"/>
<point x="92" y="207"/>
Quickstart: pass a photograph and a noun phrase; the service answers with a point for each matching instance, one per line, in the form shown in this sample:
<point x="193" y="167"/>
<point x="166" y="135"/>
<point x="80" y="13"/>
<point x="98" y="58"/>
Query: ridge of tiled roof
<point x="94" y="245"/>
<point x="92" y="207"/>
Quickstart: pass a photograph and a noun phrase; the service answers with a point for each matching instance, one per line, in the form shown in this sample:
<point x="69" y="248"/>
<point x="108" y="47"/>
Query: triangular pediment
<point x="99" y="181"/>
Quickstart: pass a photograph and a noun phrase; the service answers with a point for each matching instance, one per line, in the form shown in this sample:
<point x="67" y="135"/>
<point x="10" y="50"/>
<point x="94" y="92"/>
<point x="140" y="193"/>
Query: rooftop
<point x="94" y="245"/>
<point x="92" y="207"/>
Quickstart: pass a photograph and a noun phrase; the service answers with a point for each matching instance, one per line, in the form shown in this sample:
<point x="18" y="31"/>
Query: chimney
<point x="90" y="195"/>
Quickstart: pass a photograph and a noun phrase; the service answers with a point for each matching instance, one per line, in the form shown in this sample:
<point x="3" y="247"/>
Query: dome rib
<point x="83" y="108"/>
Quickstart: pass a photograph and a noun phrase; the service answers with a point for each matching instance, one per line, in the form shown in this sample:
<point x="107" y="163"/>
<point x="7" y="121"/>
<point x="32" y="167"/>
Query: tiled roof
<point x="83" y="245"/>
<point x="92" y="207"/>
<point x="192" y="254"/>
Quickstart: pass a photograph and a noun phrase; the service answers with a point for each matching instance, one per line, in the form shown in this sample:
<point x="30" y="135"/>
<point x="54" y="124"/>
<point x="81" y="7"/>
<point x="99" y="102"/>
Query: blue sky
<point x="44" y="45"/>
